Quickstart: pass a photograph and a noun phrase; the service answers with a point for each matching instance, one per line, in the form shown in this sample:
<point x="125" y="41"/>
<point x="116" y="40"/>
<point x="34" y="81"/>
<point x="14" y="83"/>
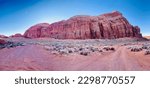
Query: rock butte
<point x="106" y="26"/>
<point x="17" y="35"/>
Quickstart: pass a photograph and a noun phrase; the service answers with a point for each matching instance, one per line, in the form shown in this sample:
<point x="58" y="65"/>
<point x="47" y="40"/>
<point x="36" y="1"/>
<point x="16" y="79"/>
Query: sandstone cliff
<point x="106" y="26"/>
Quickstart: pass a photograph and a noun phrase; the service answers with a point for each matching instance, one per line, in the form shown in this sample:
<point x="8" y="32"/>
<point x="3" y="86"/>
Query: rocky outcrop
<point x="17" y="35"/>
<point x="39" y="30"/>
<point x="107" y="26"/>
<point x="3" y="36"/>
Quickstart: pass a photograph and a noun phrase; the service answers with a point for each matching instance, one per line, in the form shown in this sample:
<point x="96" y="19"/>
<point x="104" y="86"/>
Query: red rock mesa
<point x="106" y="26"/>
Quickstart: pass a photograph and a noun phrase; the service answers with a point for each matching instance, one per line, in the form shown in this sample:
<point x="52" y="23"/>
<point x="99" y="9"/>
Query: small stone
<point x="113" y="49"/>
<point x="109" y="48"/>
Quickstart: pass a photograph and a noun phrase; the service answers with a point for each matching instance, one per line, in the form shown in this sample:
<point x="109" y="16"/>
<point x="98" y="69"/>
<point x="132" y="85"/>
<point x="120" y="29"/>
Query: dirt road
<point x="33" y="57"/>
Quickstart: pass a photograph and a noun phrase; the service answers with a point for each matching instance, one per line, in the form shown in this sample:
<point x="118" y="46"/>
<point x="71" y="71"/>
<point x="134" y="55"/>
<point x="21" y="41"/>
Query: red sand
<point x="34" y="57"/>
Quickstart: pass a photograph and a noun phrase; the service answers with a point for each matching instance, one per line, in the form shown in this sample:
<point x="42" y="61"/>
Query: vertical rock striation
<point x="107" y="26"/>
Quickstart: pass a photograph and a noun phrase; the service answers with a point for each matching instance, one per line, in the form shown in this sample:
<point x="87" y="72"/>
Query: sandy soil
<point x="35" y="57"/>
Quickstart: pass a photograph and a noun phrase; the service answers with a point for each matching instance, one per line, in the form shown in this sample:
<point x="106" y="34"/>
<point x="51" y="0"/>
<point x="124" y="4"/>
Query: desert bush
<point x="11" y="45"/>
<point x="109" y="48"/>
<point x="113" y="49"/>
<point x="85" y="53"/>
<point x="136" y="49"/>
<point x="80" y="49"/>
<point x="147" y="52"/>
<point x="94" y="49"/>
<point x="2" y="46"/>
<point x="146" y="47"/>
<point x="100" y="50"/>
<point x="71" y="50"/>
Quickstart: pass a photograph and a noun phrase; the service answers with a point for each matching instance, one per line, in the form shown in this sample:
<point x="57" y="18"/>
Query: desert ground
<point x="45" y="54"/>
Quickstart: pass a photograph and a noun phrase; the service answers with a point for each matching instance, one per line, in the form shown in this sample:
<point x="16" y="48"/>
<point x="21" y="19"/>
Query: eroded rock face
<point x="106" y="26"/>
<point x="36" y="31"/>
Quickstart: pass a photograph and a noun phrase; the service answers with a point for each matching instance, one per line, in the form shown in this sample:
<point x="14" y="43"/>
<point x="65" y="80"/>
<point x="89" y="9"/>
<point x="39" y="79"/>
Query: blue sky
<point x="16" y="16"/>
